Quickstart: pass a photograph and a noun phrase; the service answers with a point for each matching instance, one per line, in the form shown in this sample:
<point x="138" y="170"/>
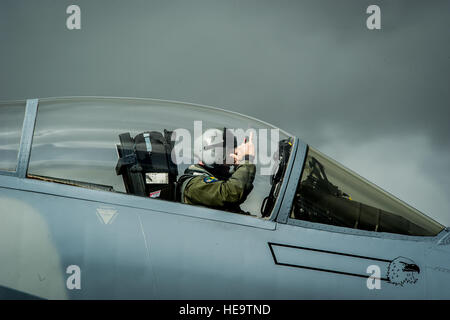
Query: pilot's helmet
<point x="214" y="147"/>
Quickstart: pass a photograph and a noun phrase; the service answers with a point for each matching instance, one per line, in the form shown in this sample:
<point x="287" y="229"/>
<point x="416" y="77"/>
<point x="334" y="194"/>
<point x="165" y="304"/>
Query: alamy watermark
<point x="374" y="280"/>
<point x="373" y="22"/>
<point x="73" y="21"/>
<point x="74" y="280"/>
<point x="189" y="149"/>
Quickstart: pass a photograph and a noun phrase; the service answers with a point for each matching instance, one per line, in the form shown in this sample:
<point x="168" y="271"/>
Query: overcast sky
<point x="375" y="100"/>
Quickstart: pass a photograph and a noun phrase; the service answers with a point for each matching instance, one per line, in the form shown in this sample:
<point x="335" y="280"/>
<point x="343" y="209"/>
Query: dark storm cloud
<point x="310" y="67"/>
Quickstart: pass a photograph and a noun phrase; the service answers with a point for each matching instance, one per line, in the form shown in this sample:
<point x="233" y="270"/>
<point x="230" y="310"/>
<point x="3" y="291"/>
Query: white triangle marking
<point x="106" y="215"/>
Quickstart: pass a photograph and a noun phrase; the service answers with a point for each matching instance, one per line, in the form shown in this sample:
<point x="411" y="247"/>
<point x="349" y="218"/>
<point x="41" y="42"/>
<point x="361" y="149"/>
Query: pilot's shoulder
<point x="196" y="170"/>
<point x="193" y="167"/>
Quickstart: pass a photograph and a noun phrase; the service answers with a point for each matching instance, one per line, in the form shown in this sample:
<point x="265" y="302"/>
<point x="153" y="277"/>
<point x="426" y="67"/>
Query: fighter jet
<point x="88" y="210"/>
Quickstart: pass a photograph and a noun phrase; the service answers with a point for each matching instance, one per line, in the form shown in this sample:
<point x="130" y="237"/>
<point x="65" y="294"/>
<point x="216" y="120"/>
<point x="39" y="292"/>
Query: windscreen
<point x="331" y="194"/>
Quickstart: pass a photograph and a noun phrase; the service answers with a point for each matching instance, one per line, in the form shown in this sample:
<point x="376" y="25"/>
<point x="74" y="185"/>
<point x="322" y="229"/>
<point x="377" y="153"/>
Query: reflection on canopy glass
<point x="11" y="121"/>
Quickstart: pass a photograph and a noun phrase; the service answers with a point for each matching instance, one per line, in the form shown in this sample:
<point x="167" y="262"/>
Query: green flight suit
<point x="204" y="189"/>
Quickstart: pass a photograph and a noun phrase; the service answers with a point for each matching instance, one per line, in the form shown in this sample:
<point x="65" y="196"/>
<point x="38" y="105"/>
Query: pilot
<point x="211" y="182"/>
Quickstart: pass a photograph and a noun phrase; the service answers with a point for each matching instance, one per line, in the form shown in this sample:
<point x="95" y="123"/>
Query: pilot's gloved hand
<point x="245" y="151"/>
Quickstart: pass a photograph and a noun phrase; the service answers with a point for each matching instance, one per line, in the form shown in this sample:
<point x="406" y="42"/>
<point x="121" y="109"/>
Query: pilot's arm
<point x="211" y="192"/>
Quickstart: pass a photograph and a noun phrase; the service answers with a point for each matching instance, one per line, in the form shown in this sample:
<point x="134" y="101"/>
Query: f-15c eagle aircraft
<point x="74" y="225"/>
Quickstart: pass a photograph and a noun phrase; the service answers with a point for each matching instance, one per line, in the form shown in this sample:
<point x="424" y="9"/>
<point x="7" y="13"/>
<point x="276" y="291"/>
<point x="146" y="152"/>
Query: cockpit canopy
<point x="75" y="141"/>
